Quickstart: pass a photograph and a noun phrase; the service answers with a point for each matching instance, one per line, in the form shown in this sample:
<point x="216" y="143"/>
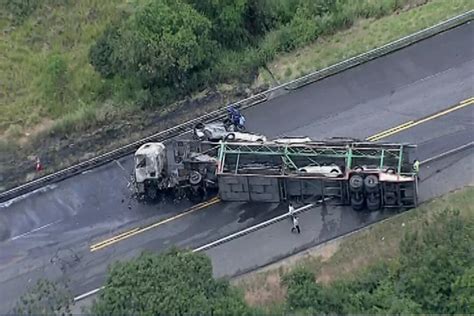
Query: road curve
<point x="48" y="233"/>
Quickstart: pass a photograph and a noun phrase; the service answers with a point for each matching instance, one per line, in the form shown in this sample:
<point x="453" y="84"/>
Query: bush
<point x="161" y="45"/>
<point x="433" y="275"/>
<point x="172" y="283"/>
<point x="20" y="9"/>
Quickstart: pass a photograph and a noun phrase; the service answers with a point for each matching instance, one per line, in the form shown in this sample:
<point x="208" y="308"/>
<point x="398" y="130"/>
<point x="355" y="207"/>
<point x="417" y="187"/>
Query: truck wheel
<point x="390" y="198"/>
<point x="195" y="177"/>
<point x="357" y="202"/>
<point x="371" y="182"/>
<point x="356" y="182"/>
<point x="373" y="202"/>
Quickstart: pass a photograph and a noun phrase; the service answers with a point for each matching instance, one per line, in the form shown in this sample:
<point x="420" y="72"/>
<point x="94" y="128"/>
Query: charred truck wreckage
<point x="341" y="171"/>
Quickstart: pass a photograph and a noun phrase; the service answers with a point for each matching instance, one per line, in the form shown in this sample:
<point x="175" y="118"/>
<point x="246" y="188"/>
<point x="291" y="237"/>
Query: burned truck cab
<point x="149" y="161"/>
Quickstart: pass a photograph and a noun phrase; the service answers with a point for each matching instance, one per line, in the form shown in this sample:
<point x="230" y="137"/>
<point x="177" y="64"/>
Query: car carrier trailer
<point x="359" y="174"/>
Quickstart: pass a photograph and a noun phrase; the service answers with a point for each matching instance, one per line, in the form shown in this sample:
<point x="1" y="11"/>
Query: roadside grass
<point x="45" y="70"/>
<point x="364" y="35"/>
<point x="346" y="257"/>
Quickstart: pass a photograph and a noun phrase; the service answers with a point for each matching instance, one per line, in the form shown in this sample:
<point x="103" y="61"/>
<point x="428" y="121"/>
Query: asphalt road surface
<point x="49" y="233"/>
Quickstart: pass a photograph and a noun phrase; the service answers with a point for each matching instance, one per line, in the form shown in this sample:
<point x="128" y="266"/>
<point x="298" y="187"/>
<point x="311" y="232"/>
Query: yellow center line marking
<point x="136" y="231"/>
<point x="398" y="127"/>
<point x="410" y="124"/>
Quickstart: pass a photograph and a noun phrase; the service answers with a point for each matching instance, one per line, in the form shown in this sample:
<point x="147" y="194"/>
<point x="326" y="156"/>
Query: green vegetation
<point x="72" y="65"/>
<point x="45" y="298"/>
<point x="417" y="262"/>
<point x="172" y="283"/>
<point x="429" y="277"/>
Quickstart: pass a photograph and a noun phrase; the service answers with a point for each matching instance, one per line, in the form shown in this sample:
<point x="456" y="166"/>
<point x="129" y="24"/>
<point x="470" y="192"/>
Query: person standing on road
<point x="416" y="168"/>
<point x="291" y="210"/>
<point x="296" y="225"/>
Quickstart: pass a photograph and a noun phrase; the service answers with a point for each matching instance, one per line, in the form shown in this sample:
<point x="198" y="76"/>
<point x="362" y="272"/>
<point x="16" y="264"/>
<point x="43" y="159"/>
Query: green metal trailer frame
<point x="384" y="168"/>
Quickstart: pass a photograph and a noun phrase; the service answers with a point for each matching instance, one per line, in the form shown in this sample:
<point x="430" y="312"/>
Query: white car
<point x="217" y="131"/>
<point x="293" y="140"/>
<point x="213" y="131"/>
<point x="245" y="137"/>
<point x="331" y="171"/>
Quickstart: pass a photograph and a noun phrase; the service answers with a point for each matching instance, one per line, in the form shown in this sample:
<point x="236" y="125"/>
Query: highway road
<point x="49" y="233"/>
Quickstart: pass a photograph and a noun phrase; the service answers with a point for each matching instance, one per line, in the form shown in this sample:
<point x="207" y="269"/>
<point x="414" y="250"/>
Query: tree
<point x="175" y="282"/>
<point x="45" y="298"/>
<point x="162" y="44"/>
<point x="303" y="292"/>
<point x="227" y="18"/>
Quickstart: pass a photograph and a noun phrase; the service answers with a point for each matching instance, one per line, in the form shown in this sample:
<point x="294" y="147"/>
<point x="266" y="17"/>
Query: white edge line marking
<point x="35" y="230"/>
<point x="446" y="153"/>
<point x="252" y="228"/>
<point x="83" y="296"/>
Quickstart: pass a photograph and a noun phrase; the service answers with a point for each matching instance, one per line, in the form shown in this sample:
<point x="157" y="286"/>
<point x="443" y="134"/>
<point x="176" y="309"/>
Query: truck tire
<point x="371" y="183"/>
<point x="373" y="202"/>
<point x="195" y="177"/>
<point x="390" y="198"/>
<point x="357" y="202"/>
<point x="356" y="183"/>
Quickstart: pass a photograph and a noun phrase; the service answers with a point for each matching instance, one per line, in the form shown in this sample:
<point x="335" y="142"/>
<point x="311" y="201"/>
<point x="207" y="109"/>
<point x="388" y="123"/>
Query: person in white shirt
<point x="291" y="210"/>
<point x="296" y="225"/>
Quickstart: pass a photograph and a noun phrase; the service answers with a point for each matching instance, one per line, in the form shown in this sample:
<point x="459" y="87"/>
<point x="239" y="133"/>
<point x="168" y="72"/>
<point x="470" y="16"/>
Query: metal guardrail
<point x="245" y="103"/>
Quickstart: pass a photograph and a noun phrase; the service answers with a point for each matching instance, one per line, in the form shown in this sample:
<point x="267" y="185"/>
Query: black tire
<point x="371" y="182"/>
<point x="195" y="177"/>
<point x="357" y="202"/>
<point x="199" y="126"/>
<point x="390" y="170"/>
<point x="334" y="171"/>
<point x="227" y="123"/>
<point x="230" y="136"/>
<point x="390" y="198"/>
<point x="358" y="168"/>
<point x="373" y="202"/>
<point x="356" y="183"/>
<point x="208" y="135"/>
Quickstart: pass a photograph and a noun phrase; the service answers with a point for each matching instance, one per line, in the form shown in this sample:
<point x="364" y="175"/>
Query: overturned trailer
<point x="360" y="174"/>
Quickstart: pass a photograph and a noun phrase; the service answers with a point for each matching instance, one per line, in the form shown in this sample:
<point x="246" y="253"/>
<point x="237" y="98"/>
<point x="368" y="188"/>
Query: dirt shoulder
<point x="17" y="161"/>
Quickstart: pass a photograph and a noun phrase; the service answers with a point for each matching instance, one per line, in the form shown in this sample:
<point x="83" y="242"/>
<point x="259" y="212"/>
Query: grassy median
<point x="346" y="257"/>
